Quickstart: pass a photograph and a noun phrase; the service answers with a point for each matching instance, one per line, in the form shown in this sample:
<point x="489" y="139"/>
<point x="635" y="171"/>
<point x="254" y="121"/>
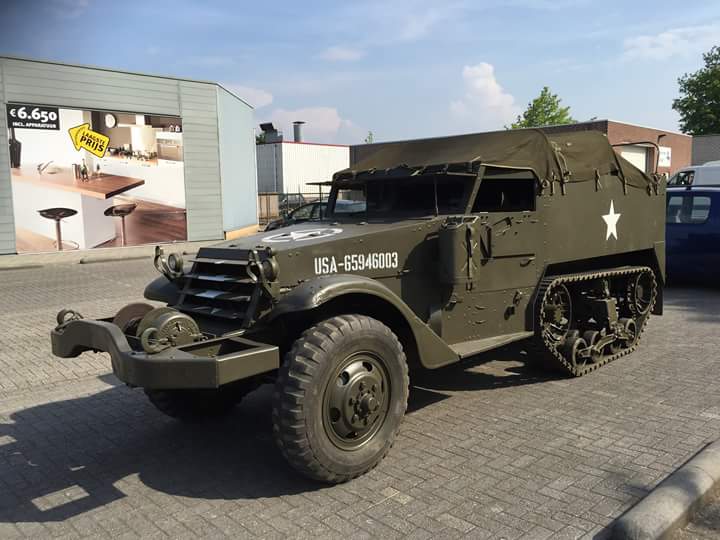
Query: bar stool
<point x="57" y="214"/>
<point x="121" y="210"/>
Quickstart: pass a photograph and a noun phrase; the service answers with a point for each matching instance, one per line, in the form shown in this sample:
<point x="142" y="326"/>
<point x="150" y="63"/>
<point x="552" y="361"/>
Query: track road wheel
<point x="631" y="330"/>
<point x="201" y="404"/>
<point x="591" y="337"/>
<point x="340" y="398"/>
<point x="571" y="348"/>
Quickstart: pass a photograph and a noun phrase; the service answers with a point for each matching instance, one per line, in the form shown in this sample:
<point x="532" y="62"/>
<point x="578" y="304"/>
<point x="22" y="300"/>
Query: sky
<point x="400" y="68"/>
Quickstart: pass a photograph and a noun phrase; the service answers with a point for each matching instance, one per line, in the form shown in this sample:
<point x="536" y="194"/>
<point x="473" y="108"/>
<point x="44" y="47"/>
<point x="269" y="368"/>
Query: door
<point x="637" y="155"/>
<point x="504" y="232"/>
<point x="692" y="234"/>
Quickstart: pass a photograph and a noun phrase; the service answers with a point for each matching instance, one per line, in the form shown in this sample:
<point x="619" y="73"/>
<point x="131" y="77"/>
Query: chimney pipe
<point x="297" y="130"/>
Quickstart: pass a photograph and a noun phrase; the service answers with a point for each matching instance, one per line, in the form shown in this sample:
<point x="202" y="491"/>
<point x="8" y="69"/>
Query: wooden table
<point x="105" y="186"/>
<point x="34" y="191"/>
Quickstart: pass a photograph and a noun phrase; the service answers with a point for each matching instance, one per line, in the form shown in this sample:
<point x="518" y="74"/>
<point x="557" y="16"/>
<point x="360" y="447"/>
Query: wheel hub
<point x="356" y="400"/>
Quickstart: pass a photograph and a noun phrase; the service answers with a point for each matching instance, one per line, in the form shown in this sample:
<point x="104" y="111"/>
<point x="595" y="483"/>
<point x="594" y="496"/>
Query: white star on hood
<point x="611" y="219"/>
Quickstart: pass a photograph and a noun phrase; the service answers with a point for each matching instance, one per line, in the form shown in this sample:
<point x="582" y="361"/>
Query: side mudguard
<point x="161" y="289"/>
<point x="433" y="352"/>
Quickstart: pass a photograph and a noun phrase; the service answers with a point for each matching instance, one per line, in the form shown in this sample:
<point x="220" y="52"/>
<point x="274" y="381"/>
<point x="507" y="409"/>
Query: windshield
<point x="683" y="178"/>
<point x="405" y="197"/>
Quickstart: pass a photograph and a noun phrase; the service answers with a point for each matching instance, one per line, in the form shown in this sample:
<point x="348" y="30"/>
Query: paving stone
<point x="490" y="448"/>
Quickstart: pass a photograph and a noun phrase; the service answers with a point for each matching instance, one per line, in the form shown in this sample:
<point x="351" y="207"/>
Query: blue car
<point x="692" y="233"/>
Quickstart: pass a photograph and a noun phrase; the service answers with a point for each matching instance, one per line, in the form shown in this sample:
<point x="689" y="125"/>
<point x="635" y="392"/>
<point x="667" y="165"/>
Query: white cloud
<point x="323" y="125"/>
<point x="338" y="53"/>
<point x="485" y="104"/>
<point x="686" y="41"/>
<point x="254" y="96"/>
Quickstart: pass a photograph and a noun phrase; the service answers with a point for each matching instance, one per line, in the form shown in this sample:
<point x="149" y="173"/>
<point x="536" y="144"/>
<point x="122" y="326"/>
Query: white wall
<point x="303" y="163"/>
<point x="43" y="145"/>
<point x="238" y="174"/>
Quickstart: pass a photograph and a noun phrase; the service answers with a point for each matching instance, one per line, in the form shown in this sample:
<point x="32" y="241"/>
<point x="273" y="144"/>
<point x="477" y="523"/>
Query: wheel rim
<point x="356" y="400"/>
<point x="631" y="329"/>
<point x="557" y="313"/>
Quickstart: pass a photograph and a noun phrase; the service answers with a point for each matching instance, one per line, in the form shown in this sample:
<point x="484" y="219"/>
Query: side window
<point x="683" y="178"/>
<point x="688" y="209"/>
<point x="505" y="190"/>
<point x="700" y="210"/>
<point x="303" y="212"/>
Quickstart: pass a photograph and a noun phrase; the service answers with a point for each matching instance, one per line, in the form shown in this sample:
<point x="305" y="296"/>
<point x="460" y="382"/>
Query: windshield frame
<point x="469" y="188"/>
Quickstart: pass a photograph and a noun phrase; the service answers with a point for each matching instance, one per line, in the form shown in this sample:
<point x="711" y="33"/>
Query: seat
<point x="121" y="211"/>
<point x="58" y="214"/>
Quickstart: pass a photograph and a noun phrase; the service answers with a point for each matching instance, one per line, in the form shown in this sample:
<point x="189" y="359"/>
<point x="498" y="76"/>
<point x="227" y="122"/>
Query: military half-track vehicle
<point x="456" y="246"/>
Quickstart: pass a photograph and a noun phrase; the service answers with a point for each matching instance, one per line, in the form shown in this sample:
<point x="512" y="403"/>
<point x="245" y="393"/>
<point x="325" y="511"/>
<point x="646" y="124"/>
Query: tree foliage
<point x="544" y="110"/>
<point x="699" y="101"/>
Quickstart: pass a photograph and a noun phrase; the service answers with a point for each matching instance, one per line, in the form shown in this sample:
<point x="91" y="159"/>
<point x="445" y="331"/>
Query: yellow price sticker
<point x="84" y="137"/>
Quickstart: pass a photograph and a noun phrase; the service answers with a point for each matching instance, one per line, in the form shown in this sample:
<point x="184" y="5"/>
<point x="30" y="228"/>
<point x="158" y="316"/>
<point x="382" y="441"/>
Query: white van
<point x="707" y="174"/>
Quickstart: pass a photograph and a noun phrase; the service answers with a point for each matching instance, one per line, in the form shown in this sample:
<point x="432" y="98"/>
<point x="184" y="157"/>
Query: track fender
<point x="433" y="352"/>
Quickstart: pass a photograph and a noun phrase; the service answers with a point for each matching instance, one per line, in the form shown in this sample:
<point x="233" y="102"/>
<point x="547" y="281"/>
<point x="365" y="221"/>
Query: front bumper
<point x="204" y="364"/>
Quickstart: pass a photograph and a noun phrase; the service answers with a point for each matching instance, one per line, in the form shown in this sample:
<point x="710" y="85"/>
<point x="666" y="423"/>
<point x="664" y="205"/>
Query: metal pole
<point x="58" y="235"/>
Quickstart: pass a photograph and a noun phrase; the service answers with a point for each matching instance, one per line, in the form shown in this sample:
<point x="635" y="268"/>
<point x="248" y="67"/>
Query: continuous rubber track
<point x="543" y="349"/>
<point x="298" y="376"/>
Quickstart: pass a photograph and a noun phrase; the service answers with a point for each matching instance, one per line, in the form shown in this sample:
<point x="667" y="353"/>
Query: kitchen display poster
<point x="84" y="179"/>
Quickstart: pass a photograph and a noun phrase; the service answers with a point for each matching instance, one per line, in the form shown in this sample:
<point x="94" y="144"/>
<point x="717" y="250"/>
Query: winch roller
<point x="157" y="328"/>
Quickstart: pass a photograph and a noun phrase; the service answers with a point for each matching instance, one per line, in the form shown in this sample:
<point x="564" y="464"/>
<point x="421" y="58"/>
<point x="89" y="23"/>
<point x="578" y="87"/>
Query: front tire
<point x="196" y="405"/>
<point x="340" y="398"/>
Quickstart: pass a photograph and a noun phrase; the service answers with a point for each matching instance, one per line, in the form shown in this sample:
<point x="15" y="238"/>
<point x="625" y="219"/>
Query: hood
<point x="308" y="250"/>
<point x="308" y="235"/>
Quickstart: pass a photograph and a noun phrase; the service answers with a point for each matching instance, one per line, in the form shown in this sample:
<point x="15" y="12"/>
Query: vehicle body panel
<point x="693" y="232"/>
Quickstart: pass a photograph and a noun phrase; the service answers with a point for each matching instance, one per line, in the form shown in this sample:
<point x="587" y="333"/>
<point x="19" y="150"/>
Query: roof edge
<point x="122" y="71"/>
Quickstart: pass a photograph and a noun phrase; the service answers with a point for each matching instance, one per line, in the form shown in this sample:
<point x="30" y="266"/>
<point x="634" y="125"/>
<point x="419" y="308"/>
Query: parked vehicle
<point x="692" y="233"/>
<point x="450" y="247"/>
<point x="314" y="211"/>
<point x="697" y="175"/>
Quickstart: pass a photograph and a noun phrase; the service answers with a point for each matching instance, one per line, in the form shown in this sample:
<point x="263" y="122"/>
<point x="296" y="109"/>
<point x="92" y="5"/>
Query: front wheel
<point x="340" y="398"/>
<point x="195" y="405"/>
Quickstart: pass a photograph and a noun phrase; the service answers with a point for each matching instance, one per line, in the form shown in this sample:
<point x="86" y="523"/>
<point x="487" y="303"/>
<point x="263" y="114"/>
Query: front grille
<point x="221" y="288"/>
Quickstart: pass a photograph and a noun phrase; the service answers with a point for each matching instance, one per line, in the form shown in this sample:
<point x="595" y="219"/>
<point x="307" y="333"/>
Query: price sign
<point x="32" y="117"/>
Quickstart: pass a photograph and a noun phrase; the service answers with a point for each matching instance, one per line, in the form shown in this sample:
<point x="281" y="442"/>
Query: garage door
<point x="637" y="155"/>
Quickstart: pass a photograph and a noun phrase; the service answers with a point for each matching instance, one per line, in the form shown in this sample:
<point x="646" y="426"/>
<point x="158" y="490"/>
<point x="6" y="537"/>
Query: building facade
<point x="293" y="166"/>
<point x="94" y="157"/>
<point x="705" y="148"/>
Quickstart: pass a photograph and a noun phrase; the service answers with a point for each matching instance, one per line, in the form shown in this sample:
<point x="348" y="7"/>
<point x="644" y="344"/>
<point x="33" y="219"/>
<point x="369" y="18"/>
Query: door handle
<point x="527" y="261"/>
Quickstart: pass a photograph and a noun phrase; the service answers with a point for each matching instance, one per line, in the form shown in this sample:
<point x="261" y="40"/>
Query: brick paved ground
<point x="489" y="449"/>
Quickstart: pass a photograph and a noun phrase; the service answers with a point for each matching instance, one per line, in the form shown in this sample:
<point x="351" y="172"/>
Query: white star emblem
<point x="611" y="219"/>
<point x="299" y="236"/>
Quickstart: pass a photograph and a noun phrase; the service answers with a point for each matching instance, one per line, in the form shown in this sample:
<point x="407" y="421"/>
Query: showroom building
<point x="93" y="157"/>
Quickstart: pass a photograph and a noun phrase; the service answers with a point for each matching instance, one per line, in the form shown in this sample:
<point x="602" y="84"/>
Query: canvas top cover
<point x="568" y="157"/>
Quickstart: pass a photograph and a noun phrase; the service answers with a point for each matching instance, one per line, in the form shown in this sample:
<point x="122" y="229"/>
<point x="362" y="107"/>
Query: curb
<point x="674" y="501"/>
<point x="37" y="260"/>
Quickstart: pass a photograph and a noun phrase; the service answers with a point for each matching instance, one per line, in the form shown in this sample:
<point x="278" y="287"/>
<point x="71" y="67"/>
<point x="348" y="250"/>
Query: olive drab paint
<point x="553" y="239"/>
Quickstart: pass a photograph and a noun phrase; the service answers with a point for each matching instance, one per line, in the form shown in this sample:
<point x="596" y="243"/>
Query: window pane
<point x="688" y="209"/>
<point x="303" y="212"/>
<point x="700" y="209"/>
<point x="505" y="191"/>
<point x="674" y="207"/>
